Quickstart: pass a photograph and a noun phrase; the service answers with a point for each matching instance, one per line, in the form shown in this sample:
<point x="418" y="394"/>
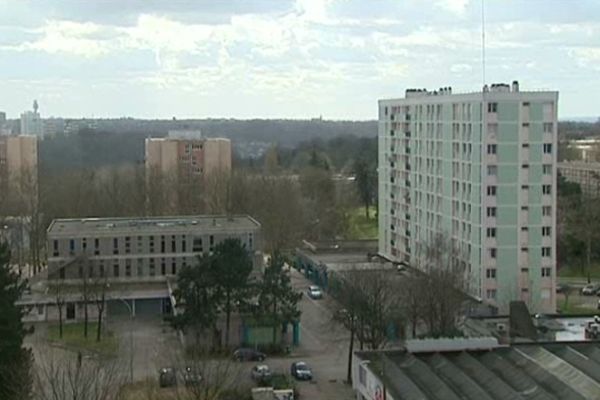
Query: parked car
<point x="314" y="292"/>
<point x="191" y="376"/>
<point x="167" y="377"/>
<point x="590" y="289"/>
<point x="247" y="354"/>
<point x="300" y="370"/>
<point x="261" y="373"/>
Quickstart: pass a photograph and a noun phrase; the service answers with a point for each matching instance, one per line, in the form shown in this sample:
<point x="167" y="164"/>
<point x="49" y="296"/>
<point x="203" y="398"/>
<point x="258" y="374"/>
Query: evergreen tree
<point x="15" y="361"/>
<point x="232" y="269"/>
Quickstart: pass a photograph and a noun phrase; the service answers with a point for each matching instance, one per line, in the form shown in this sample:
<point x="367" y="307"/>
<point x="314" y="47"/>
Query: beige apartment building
<point x="586" y="174"/>
<point x="18" y="163"/>
<point x="187" y="154"/>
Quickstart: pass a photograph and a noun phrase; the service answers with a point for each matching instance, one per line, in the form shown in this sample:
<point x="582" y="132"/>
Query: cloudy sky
<point x="286" y="58"/>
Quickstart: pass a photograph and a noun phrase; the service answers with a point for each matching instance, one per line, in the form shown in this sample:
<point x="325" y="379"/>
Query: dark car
<point x="246" y="354"/>
<point x="167" y="377"/>
<point x="300" y="370"/>
<point x="191" y="376"/>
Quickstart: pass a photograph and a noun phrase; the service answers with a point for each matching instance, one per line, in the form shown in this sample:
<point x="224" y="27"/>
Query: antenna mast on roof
<point x="483" y="41"/>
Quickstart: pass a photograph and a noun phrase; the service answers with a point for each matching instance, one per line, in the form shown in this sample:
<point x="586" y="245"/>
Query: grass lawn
<point x="361" y="227"/>
<point x="574" y="307"/>
<point x="73" y="338"/>
<point x="577" y="272"/>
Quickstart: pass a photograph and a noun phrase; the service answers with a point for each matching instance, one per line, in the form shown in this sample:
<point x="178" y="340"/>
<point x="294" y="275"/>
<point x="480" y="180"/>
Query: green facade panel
<point x="508" y="111"/>
<point x="507" y="235"/>
<point x="508" y="153"/>
<point x="508" y="174"/>
<point x="507" y="215"/>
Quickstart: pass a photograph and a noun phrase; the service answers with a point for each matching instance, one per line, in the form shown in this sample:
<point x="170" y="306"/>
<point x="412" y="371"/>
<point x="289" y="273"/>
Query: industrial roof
<point x="179" y="224"/>
<point x="520" y="371"/>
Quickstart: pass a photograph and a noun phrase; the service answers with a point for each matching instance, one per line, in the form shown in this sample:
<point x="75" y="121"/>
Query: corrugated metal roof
<point x="569" y="371"/>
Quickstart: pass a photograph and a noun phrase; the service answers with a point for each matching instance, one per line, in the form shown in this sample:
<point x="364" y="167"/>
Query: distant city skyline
<point x="285" y="58"/>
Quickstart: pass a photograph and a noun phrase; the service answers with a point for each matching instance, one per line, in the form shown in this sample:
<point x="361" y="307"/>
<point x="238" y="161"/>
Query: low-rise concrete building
<point x="133" y="261"/>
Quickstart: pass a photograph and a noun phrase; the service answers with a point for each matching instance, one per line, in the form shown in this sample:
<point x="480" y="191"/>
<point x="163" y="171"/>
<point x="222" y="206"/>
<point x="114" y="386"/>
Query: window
<point x="151" y="244"/>
<point x="116" y="270"/>
<point x="491" y="190"/>
<point x="183" y="244"/>
<point x="40" y="309"/>
<point x="173" y="245"/>
<point x="97" y="246"/>
<point x="55" y="248"/>
<point x="116" y="246"/>
<point x="548" y="127"/>
<point x="547" y="169"/>
<point x="546" y="230"/>
<point x="525" y="166"/>
<point x="525" y="145"/>
<point x="492" y="170"/>
<point x="524" y="229"/>
<point x="251" y="241"/>
<point x="493" y="252"/>
<point x="212" y="242"/>
<point x="163" y="267"/>
<point x="490" y="273"/>
<point x="362" y="375"/>
<point x="101" y="269"/>
<point x="491" y="211"/>
<point x="524" y="250"/>
<point x="492" y="107"/>
<point x="546" y="251"/>
<point x="127" y="267"/>
<point x="546" y="272"/>
<point x="71" y="246"/>
<point x="491" y="232"/>
<point x="173" y="267"/>
<point x="152" y="267"/>
<point x="83" y="243"/>
<point x="547" y="211"/>
<point x="127" y="245"/>
<point x="524" y="187"/>
<point x="197" y="247"/>
<point x="492" y="148"/>
<point x="162" y="244"/>
<point x="546" y="189"/>
<point x="547" y="148"/>
<point x="490" y="294"/>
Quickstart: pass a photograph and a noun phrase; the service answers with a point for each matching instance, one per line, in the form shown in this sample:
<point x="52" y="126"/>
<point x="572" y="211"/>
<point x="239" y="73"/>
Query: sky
<point x="286" y="58"/>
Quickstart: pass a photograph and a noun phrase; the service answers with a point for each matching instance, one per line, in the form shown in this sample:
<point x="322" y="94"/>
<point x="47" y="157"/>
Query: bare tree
<point x="58" y="289"/>
<point x="98" y="294"/>
<point x="63" y="376"/>
<point x="442" y="283"/>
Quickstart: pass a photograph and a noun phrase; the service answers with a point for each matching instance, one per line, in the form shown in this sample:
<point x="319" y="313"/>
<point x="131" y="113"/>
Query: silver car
<point x="261" y="372"/>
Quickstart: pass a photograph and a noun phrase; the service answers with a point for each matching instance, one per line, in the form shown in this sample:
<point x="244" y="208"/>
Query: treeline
<point x="116" y="142"/>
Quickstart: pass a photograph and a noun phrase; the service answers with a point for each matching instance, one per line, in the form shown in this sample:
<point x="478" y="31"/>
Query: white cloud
<point x="461" y="68"/>
<point x="455" y="6"/>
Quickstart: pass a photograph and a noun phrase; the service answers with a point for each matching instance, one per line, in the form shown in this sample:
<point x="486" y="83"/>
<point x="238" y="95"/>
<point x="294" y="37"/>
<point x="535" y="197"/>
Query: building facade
<point x="586" y="174"/>
<point x="31" y="122"/>
<point x="18" y="164"/>
<point x="188" y="155"/>
<point x="478" y="169"/>
<point x="150" y="249"/>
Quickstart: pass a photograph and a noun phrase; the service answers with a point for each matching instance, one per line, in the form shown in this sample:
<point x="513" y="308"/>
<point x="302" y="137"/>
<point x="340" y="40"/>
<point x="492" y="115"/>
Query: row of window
<point x="492" y="190"/>
<point x="546" y="148"/>
<point x="546" y="251"/>
<point x="124" y="269"/>
<point x="546" y="211"/>
<point x="165" y="245"/>
<point x="546" y="231"/>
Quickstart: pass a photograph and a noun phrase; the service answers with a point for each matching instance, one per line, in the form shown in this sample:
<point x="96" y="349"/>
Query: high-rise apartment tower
<point x="479" y="170"/>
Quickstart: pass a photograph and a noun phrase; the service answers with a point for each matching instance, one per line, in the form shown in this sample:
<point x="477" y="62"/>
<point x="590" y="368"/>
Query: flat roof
<point x="175" y="224"/>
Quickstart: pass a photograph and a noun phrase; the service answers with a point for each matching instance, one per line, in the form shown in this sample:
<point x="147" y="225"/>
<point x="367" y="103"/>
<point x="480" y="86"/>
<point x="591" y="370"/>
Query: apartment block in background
<point x="31" y="122"/>
<point x="585" y="174"/>
<point x="18" y="164"/>
<point x="188" y="154"/>
<point x="478" y="169"/>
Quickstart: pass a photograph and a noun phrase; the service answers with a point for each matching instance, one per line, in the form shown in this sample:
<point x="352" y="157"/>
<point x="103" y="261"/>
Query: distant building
<point x="4" y="128"/>
<point x="18" y="163"/>
<point x="586" y="174"/>
<point x="31" y="122"/>
<point x="480" y="170"/>
<point x="54" y="126"/>
<point x="187" y="154"/>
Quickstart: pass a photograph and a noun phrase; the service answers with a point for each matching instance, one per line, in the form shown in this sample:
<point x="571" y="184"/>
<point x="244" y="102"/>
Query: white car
<point x="314" y="292"/>
<point x="590" y="289"/>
